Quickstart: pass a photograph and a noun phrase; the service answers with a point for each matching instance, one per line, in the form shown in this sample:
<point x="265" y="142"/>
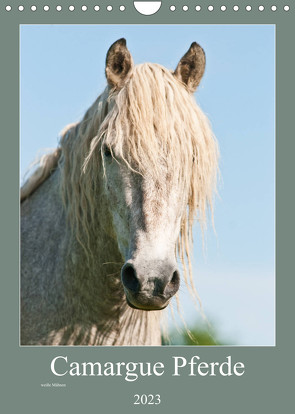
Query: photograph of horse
<point x="105" y="215"/>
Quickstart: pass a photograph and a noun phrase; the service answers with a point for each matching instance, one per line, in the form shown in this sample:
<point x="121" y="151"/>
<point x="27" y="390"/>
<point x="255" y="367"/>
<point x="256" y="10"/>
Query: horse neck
<point x="93" y="268"/>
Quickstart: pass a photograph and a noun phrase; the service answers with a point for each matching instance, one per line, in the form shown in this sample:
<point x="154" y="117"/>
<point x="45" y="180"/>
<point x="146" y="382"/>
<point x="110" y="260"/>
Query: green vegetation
<point x="197" y="335"/>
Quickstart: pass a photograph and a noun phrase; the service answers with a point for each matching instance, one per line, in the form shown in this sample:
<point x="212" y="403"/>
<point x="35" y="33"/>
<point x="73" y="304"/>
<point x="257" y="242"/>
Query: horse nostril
<point x="129" y="278"/>
<point x="175" y="281"/>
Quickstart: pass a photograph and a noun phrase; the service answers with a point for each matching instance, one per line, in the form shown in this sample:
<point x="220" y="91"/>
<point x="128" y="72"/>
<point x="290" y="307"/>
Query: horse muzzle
<point x="149" y="286"/>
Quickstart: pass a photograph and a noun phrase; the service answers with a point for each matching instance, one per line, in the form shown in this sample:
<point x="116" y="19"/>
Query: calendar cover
<point x="146" y="219"/>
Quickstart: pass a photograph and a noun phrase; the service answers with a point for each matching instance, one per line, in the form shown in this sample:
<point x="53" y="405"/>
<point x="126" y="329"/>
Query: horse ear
<point x="118" y="63"/>
<point x="191" y="67"/>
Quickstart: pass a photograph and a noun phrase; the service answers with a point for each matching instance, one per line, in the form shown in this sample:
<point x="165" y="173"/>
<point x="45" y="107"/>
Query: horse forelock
<point x="153" y="119"/>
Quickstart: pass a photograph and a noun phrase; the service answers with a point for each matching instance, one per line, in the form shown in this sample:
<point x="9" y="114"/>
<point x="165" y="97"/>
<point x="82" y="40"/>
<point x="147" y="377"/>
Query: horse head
<point x="153" y="148"/>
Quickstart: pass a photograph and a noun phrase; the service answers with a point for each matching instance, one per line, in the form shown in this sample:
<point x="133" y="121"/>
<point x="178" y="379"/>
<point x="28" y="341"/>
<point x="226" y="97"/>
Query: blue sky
<point x="62" y="72"/>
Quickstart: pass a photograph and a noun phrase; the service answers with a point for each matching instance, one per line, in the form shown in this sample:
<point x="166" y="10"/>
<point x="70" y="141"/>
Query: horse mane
<point x="46" y="165"/>
<point x="151" y="114"/>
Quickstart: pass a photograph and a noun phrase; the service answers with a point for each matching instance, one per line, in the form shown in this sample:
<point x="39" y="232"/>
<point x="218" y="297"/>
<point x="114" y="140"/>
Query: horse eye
<point x="107" y="152"/>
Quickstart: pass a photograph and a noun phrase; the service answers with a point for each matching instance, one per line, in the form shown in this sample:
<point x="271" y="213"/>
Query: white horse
<point x="104" y="217"/>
